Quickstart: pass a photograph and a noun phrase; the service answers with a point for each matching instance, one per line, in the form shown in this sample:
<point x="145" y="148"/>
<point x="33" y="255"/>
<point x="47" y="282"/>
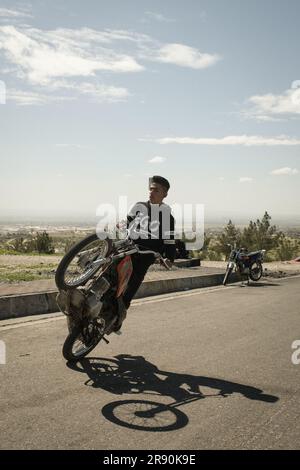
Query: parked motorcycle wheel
<point x="255" y="271"/>
<point x="74" y="347"/>
<point x="76" y="267"/>
<point x="227" y="274"/>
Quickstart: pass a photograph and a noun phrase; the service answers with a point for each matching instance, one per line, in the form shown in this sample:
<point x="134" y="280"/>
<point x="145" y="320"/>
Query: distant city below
<point x="82" y="222"/>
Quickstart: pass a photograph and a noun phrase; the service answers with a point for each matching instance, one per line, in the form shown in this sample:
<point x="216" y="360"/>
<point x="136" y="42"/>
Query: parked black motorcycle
<point x="91" y="279"/>
<point x="247" y="264"/>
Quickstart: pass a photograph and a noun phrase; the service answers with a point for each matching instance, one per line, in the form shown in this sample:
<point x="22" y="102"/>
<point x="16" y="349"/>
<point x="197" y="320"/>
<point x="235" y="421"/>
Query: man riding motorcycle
<point x="97" y="278"/>
<point x="152" y="226"/>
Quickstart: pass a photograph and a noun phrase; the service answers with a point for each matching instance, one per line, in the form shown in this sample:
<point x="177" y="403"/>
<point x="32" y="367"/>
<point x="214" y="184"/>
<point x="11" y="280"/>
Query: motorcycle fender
<point x="124" y="270"/>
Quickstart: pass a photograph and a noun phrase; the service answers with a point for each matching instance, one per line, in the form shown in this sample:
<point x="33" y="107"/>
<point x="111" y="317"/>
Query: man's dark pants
<point x="140" y="264"/>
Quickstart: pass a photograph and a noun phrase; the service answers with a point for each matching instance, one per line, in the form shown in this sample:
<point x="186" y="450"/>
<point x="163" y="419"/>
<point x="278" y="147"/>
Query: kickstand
<point x="106" y="340"/>
<point x="243" y="284"/>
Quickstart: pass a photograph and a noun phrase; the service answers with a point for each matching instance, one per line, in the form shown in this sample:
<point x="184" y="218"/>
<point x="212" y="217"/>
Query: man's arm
<point x="169" y="241"/>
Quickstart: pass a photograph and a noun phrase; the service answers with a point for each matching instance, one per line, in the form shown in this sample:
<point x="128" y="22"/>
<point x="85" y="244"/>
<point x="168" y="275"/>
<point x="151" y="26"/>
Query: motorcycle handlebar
<point x="164" y="261"/>
<point x="134" y="248"/>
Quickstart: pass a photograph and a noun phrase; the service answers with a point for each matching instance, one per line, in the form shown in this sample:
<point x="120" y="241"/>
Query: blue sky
<point x="100" y="95"/>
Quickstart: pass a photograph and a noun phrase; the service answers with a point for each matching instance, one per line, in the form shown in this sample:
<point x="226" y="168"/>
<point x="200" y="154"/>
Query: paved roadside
<point x="213" y="366"/>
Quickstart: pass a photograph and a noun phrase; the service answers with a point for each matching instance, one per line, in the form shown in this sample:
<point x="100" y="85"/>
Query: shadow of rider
<point x="128" y="374"/>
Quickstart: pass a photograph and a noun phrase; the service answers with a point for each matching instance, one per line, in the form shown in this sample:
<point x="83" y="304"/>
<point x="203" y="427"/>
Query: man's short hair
<point x="160" y="180"/>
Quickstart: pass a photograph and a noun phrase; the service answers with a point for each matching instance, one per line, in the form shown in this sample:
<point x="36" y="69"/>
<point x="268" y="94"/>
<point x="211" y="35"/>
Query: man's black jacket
<point x="152" y="227"/>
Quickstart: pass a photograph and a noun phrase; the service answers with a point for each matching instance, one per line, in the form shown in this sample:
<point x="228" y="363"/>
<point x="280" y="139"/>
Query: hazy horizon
<point x="238" y="218"/>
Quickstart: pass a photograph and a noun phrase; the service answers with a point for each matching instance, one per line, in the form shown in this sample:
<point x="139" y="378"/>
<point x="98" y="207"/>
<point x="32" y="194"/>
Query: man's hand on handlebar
<point x="166" y="263"/>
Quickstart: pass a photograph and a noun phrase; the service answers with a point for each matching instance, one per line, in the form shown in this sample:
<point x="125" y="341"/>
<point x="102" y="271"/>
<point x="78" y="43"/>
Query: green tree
<point x="16" y="244"/>
<point x="287" y="248"/>
<point x="230" y="236"/>
<point x="44" y="243"/>
<point x="202" y="253"/>
<point x="260" y="234"/>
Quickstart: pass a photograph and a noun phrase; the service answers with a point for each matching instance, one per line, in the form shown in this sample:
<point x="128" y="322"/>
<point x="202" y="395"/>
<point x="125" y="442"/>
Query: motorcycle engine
<point x="93" y="304"/>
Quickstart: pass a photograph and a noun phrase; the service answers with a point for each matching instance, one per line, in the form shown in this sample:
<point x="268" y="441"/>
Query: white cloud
<point x="245" y="179"/>
<point x="104" y="92"/>
<point x="158" y="17"/>
<point x="270" y="107"/>
<point x="157" y="160"/>
<point x="221" y="178"/>
<point x="30" y="98"/>
<point x="8" y="13"/>
<point x="185" y="56"/>
<point x="44" y="55"/>
<point x="77" y="146"/>
<point x="150" y="15"/>
<point x="246" y="140"/>
<point x="99" y="92"/>
<point x="72" y="59"/>
<point x="124" y="35"/>
<point x="284" y="171"/>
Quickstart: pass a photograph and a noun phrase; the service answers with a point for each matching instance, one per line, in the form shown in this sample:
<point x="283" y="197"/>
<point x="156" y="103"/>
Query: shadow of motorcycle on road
<point x="127" y="374"/>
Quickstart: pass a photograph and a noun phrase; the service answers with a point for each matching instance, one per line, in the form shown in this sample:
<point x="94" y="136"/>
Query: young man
<point x="152" y="226"/>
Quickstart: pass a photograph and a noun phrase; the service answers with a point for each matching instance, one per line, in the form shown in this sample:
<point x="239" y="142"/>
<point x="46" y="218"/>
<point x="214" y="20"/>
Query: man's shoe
<point x="117" y="328"/>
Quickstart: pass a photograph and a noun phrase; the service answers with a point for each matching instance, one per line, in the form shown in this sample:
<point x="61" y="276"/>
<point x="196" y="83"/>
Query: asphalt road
<point x="204" y="369"/>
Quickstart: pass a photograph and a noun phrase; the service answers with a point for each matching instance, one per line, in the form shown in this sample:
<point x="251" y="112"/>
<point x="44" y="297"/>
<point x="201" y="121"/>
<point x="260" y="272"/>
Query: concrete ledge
<point x="12" y="306"/>
<point x="187" y="263"/>
<point x="165" y="286"/>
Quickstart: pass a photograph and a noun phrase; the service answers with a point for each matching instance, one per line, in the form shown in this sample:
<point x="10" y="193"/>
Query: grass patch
<point x="19" y="276"/>
<point x="27" y="273"/>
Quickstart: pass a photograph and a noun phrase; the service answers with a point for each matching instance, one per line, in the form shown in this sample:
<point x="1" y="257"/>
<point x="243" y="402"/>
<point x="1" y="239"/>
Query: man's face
<point x="157" y="193"/>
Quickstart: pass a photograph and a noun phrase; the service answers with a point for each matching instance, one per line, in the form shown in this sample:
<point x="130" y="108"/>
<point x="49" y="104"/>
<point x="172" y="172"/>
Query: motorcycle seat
<point x="253" y="253"/>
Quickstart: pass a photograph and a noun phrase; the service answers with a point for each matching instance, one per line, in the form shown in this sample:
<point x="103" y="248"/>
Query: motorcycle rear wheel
<point x="255" y="271"/>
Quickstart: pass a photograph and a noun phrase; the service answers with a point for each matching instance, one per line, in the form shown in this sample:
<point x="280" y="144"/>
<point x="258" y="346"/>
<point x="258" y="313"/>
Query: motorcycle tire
<point x="61" y="273"/>
<point x="68" y="351"/>
<point x="255" y="273"/>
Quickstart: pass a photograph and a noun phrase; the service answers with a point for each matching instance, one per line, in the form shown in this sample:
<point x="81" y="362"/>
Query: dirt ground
<point x="28" y="260"/>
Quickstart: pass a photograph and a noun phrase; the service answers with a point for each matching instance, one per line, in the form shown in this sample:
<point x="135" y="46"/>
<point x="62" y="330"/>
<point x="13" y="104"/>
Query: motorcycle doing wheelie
<point x="246" y="264"/>
<point x="91" y="279"/>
